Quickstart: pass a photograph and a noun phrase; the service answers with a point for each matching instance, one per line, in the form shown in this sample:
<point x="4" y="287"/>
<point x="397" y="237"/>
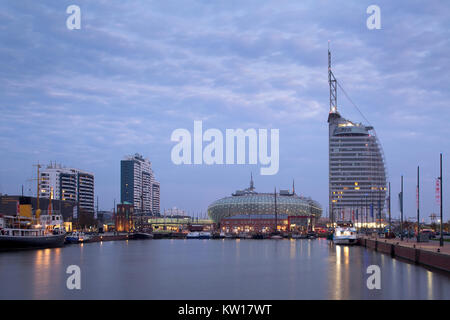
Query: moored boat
<point x="230" y="236"/>
<point x="259" y="236"/>
<point x="193" y="235"/>
<point x="142" y="235"/>
<point x="299" y="236"/>
<point x="311" y="235"/>
<point x="22" y="233"/>
<point x="78" y="237"/>
<point x="344" y="235"/>
<point x="204" y="235"/>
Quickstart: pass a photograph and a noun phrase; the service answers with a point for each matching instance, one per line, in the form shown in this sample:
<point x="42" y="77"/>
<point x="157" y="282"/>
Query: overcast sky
<point x="137" y="70"/>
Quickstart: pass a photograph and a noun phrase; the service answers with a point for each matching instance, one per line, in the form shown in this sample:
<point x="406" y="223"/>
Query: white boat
<point x="193" y="235"/>
<point x="276" y="237"/>
<point x="344" y="235"/>
<point x="204" y="235"/>
<point x="78" y="237"/>
<point x="198" y="235"/>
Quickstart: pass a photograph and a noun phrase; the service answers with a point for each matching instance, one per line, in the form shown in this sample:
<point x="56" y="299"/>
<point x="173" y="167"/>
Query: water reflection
<point x="45" y="261"/>
<point x="165" y="269"/>
<point x="430" y="285"/>
<point x="293" y="248"/>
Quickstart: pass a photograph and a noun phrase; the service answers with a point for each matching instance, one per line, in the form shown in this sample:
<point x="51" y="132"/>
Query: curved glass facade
<point x="263" y="203"/>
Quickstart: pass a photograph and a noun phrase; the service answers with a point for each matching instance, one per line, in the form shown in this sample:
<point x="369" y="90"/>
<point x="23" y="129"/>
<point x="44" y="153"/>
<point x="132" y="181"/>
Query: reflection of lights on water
<point x="309" y="248"/>
<point x="338" y="255"/>
<point x="293" y="244"/>
<point x="337" y="277"/>
<point x="346" y="255"/>
<point x="44" y="265"/>
<point x="430" y="285"/>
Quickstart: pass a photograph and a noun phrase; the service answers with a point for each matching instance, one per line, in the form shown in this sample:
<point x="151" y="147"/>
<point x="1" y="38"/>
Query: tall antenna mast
<point x="333" y="85"/>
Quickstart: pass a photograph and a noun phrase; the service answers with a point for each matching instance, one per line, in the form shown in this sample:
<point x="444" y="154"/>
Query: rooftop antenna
<point x="252" y="186"/>
<point x="293" y="186"/>
<point x="333" y="84"/>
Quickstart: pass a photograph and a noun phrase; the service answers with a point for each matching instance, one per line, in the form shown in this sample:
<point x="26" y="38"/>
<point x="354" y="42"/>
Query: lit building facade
<point x="250" y="203"/>
<point x="123" y="218"/>
<point x="265" y="223"/>
<point x="156" y="209"/>
<point x="68" y="184"/>
<point x="357" y="173"/>
<point x="137" y="183"/>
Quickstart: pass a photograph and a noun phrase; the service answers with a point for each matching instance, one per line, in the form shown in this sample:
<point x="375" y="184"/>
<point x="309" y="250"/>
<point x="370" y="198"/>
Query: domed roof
<point x="249" y="202"/>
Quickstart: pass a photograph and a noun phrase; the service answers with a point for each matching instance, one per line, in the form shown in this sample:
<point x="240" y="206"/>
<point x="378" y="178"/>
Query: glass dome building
<point x="248" y="202"/>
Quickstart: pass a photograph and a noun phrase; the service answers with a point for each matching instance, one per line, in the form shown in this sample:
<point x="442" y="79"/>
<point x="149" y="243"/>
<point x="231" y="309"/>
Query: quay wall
<point x="434" y="259"/>
<point x="415" y="255"/>
<point x="109" y="238"/>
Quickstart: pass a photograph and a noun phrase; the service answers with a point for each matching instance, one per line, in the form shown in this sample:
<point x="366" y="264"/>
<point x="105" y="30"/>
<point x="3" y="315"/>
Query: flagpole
<point x="441" y="239"/>
<point x="401" y="210"/>
<point x="418" y="204"/>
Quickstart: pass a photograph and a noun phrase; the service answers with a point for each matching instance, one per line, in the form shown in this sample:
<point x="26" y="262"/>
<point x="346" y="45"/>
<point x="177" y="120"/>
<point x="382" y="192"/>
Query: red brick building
<point x="124" y="217"/>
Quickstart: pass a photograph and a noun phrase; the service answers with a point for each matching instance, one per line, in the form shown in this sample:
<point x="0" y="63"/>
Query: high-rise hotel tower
<point x="138" y="185"/>
<point x="357" y="173"/>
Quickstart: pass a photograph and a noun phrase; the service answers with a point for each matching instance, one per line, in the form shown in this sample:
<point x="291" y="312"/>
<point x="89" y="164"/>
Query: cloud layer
<point x="137" y="70"/>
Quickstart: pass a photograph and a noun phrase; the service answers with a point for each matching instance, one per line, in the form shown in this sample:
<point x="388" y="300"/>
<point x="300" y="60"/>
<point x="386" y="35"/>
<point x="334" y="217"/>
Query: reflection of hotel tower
<point x="357" y="175"/>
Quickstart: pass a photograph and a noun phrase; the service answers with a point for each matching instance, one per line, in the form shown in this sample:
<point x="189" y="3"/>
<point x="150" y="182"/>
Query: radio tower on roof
<point x="333" y="86"/>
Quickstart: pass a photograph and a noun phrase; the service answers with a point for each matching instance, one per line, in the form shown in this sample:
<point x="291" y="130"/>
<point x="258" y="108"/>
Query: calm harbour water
<point x="215" y="269"/>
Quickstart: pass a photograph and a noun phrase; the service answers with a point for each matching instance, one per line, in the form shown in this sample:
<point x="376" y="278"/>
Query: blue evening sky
<point x="137" y="70"/>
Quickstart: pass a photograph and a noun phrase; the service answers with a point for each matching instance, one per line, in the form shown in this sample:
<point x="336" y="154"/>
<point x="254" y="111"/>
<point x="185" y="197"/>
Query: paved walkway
<point x="429" y="246"/>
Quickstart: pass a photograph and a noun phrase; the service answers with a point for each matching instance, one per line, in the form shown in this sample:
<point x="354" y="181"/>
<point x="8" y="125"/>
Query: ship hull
<point x="348" y="241"/>
<point x="142" y="236"/>
<point x="24" y="242"/>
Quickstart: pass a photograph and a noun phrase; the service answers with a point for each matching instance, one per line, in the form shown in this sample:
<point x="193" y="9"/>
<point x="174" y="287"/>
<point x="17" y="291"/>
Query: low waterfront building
<point x="265" y="223"/>
<point x="251" y="204"/>
<point x="124" y="217"/>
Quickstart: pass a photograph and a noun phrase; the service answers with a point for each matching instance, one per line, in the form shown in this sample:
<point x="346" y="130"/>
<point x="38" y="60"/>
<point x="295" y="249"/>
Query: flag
<point x="438" y="191"/>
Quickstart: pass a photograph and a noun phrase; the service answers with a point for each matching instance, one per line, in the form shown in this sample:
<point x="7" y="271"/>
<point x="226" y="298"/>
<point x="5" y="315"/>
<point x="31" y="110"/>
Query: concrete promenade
<point x="425" y="253"/>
